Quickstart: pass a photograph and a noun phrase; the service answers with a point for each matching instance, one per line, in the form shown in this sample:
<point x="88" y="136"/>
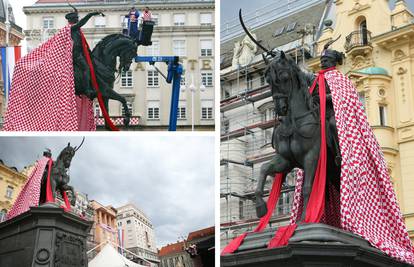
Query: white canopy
<point x="109" y="257"/>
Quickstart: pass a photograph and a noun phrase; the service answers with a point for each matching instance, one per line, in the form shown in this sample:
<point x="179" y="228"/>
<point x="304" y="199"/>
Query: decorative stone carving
<point x="244" y="52"/>
<point x="69" y="250"/>
<point x="401" y="71"/>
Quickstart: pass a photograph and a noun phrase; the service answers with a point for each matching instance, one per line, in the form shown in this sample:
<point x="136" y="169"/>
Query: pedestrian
<point x="146" y="14"/>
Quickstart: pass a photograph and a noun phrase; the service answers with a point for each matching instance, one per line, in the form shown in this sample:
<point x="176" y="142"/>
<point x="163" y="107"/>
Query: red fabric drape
<point x="271" y="204"/>
<point x="49" y="194"/>
<point x="95" y="83"/>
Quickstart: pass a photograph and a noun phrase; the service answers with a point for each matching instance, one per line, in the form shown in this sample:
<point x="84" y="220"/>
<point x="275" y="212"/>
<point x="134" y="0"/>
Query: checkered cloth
<point x="42" y="96"/>
<point x="29" y="196"/>
<point x="368" y="206"/>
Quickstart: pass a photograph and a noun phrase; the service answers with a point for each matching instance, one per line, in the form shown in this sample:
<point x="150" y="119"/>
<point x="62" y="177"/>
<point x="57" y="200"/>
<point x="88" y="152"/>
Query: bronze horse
<point x="297" y="138"/>
<point x="104" y="57"/>
<point x="59" y="177"/>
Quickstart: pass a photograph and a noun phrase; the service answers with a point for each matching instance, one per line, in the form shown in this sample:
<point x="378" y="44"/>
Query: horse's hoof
<point x="261" y="208"/>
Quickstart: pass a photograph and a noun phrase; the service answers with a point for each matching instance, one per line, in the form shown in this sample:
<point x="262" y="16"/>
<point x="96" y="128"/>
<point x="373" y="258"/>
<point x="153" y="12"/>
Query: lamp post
<point x="193" y="89"/>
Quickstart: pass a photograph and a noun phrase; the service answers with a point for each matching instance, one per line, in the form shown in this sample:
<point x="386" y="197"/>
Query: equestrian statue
<point x="53" y="86"/>
<point x="48" y="180"/>
<point x="341" y="175"/>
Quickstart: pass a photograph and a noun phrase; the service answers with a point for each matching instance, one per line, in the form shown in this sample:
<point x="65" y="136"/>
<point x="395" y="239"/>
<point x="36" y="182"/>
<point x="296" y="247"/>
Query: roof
<point x="265" y="34"/>
<point x="373" y="71"/>
<point x="201" y="233"/>
<point x="171" y="249"/>
<point x="64" y="1"/>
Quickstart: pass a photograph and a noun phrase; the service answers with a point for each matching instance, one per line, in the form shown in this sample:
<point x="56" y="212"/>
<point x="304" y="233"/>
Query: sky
<point x="170" y="178"/>
<point x="229" y="11"/>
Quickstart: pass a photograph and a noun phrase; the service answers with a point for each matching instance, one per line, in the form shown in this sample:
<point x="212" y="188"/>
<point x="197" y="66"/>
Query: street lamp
<point x="192" y="89"/>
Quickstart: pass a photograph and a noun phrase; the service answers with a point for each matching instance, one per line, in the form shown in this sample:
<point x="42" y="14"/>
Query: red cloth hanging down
<point x="85" y="47"/>
<point x="49" y="194"/>
<point x="271" y="204"/>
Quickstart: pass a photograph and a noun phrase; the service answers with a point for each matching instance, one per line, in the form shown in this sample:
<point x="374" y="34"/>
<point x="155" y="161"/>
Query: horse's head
<point x="279" y="74"/>
<point x="67" y="154"/>
<point x="128" y="53"/>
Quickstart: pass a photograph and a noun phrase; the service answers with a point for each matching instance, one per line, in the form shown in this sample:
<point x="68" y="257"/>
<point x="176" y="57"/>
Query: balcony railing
<point x="358" y="39"/>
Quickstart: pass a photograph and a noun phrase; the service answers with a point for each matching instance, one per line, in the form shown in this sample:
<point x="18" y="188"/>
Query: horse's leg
<point x="277" y="165"/>
<point x="309" y="166"/>
<point x="106" y="104"/>
<point x="111" y="94"/>
<point x="67" y="187"/>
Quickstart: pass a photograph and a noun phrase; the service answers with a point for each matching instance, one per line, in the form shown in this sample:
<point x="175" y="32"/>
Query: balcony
<point x="360" y="38"/>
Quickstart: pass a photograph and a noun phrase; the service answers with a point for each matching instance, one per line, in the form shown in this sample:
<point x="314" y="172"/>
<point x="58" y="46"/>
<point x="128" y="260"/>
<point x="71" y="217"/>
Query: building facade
<point x="138" y="233"/>
<point x="15" y="36"/>
<point x="104" y="227"/>
<point x="174" y="255"/>
<point x="11" y="183"/>
<point x="378" y="45"/>
<point x="183" y="28"/>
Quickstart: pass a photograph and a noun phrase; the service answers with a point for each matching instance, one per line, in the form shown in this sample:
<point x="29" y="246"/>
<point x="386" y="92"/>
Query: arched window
<point x="364" y="31"/>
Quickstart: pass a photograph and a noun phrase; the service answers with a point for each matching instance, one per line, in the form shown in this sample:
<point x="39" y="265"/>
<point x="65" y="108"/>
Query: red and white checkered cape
<point x="30" y="194"/>
<point x="367" y="203"/>
<point x="42" y="96"/>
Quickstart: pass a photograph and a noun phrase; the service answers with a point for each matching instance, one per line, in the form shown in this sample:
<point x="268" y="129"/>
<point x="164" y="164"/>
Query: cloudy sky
<point x="171" y="178"/>
<point x="229" y="11"/>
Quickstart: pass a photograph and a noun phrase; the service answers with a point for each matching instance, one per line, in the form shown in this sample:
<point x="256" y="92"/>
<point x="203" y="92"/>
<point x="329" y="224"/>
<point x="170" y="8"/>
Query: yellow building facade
<point x="378" y="44"/>
<point x="11" y="183"/>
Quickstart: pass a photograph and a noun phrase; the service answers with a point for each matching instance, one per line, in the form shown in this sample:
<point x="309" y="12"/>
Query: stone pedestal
<point x="44" y="236"/>
<point x="311" y="245"/>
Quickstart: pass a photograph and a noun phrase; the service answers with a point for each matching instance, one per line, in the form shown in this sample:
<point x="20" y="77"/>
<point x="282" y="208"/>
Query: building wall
<point x="11" y="183"/>
<point x="104" y="227"/>
<point x="139" y="236"/>
<point x="140" y="94"/>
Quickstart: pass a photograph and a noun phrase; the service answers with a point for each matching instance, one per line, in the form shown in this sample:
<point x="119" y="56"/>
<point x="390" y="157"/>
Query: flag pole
<point x="6" y="79"/>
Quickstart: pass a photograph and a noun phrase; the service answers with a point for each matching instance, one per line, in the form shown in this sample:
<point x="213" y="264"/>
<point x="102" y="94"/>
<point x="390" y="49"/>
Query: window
<point x="126" y="79"/>
<point x="153" y="110"/>
<point x="129" y="105"/>
<point x="97" y="110"/>
<point x="9" y="191"/>
<point x="155" y="19"/>
<point x="179" y="19"/>
<point x="206" y="19"/>
<point x="100" y="22"/>
<point x="262" y="79"/>
<point x="153" y="49"/>
<point x="361" y="96"/>
<point x="383" y="115"/>
<point x="181" y="115"/>
<point x="291" y="27"/>
<point x="179" y="48"/>
<point x="279" y="31"/>
<point x="269" y="114"/>
<point x="207" y="109"/>
<point x="3" y="214"/>
<point x="207" y="79"/>
<point x="225" y="126"/>
<point x="48" y="23"/>
<point x="128" y="221"/>
<point x="206" y="48"/>
<point x="152" y="78"/>
<point x="249" y="81"/>
<point x="182" y="82"/>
